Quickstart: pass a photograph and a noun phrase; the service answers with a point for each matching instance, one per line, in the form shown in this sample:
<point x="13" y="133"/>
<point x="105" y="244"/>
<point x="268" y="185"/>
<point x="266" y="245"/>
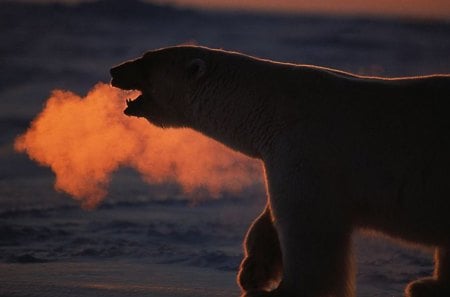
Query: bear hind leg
<point x="439" y="284"/>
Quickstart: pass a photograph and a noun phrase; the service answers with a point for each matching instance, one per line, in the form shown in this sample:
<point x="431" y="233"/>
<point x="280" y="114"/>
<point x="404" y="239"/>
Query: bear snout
<point x="126" y="76"/>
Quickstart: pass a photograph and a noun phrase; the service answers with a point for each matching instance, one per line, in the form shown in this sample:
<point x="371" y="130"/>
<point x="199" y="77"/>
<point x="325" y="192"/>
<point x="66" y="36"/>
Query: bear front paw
<point x="427" y="287"/>
<point x="255" y="276"/>
<point x="263" y="293"/>
<point x="256" y="293"/>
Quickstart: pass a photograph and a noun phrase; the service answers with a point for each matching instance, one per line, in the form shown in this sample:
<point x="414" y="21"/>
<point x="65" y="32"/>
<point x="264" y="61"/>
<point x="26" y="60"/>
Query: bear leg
<point x="439" y="284"/>
<point x="322" y="267"/>
<point x="261" y="268"/>
<point x="314" y="228"/>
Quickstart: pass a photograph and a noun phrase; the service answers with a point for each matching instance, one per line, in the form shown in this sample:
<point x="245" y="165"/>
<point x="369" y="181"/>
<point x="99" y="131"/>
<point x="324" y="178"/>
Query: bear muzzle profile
<point x="128" y="76"/>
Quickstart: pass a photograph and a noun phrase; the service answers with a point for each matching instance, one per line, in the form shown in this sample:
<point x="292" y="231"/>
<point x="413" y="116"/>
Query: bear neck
<point x="250" y="104"/>
<point x="241" y="135"/>
<point x="238" y="109"/>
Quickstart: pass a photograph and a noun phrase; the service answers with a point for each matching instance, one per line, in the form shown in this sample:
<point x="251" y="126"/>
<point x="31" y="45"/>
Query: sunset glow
<point x="412" y="8"/>
<point x="84" y="140"/>
<point x="401" y="8"/>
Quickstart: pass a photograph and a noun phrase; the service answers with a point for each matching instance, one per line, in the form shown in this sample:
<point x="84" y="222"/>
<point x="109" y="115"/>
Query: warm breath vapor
<point x="84" y="140"/>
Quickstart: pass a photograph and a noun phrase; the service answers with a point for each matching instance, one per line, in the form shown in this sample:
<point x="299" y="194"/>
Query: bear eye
<point x="196" y="68"/>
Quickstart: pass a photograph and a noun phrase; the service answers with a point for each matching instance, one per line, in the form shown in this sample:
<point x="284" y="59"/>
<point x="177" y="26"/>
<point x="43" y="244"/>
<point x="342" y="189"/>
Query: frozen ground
<point x="150" y="240"/>
<point x="114" y="278"/>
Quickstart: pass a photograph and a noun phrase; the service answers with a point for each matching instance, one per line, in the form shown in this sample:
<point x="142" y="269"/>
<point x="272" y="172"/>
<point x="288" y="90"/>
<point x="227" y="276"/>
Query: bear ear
<point x="196" y="68"/>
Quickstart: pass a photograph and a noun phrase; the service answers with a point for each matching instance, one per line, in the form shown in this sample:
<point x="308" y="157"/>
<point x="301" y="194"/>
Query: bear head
<point x="168" y="80"/>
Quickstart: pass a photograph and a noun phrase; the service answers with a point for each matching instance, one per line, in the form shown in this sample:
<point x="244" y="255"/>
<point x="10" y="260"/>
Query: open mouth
<point x="126" y="77"/>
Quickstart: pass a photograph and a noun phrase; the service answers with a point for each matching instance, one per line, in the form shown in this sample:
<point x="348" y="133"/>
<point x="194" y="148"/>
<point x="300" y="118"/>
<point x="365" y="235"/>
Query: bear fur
<point x="341" y="152"/>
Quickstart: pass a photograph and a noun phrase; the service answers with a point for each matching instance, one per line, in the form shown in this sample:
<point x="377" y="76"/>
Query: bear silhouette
<point x="341" y="152"/>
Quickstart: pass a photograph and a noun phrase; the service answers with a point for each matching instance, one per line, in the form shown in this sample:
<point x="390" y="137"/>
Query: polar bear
<point x="341" y="152"/>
